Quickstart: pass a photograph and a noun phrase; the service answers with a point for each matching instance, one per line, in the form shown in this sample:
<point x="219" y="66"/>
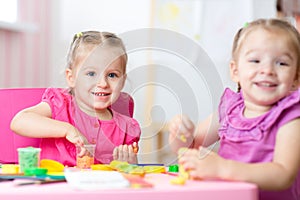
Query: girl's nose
<point x="267" y="69"/>
<point x="102" y="82"/>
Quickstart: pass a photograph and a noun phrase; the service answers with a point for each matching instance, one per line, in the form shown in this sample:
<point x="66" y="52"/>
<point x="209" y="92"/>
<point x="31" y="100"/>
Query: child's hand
<point x="74" y="136"/>
<point x="201" y="163"/>
<point x="85" y="151"/>
<point x="126" y="153"/>
<point x="81" y="152"/>
<point x="181" y="128"/>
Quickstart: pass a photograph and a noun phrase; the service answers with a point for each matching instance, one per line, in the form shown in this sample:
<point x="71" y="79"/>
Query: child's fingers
<point x="116" y="153"/>
<point x="135" y="147"/>
<point x="125" y="153"/>
<point x="186" y="154"/>
<point x="186" y="127"/>
<point x="74" y="136"/>
<point x="189" y="125"/>
<point x="121" y="153"/>
<point x="204" y="153"/>
<point x="75" y="140"/>
<point x="181" y="127"/>
<point x="176" y="129"/>
<point x="79" y="142"/>
<point x="82" y="151"/>
<point x="183" y="133"/>
<point x="132" y="149"/>
<point x="83" y="139"/>
<point x="175" y="123"/>
<point x="132" y="153"/>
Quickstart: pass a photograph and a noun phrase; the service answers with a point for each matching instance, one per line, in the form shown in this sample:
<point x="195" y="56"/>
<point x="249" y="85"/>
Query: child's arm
<point x="276" y="175"/>
<point x="206" y="133"/>
<point x="36" y="122"/>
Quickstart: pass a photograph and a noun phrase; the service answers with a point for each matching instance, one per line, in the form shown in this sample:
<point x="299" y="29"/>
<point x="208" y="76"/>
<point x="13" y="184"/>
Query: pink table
<point x="162" y="190"/>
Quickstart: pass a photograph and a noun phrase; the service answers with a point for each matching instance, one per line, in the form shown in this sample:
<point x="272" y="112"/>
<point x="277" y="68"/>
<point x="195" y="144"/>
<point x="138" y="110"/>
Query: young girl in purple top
<point x="258" y="127"/>
<point x="82" y="114"/>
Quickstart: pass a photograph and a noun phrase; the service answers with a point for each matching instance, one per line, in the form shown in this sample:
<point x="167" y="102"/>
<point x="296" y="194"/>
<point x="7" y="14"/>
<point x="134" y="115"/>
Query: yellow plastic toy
<point x="10" y="169"/>
<point x="154" y="169"/>
<point x="103" y="167"/>
<point x="52" y="165"/>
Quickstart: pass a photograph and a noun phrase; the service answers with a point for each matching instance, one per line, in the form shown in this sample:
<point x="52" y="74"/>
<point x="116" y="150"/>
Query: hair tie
<point x="78" y="35"/>
<point x="246" y="24"/>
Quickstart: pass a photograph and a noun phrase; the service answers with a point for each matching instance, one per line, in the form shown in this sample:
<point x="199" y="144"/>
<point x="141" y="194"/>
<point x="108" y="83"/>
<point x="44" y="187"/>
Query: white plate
<point x="94" y="180"/>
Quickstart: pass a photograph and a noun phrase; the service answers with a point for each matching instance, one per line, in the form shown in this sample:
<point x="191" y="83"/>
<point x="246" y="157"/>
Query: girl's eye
<point x="112" y="75"/>
<point x="254" y="61"/>
<point x="281" y="63"/>
<point x="91" y="73"/>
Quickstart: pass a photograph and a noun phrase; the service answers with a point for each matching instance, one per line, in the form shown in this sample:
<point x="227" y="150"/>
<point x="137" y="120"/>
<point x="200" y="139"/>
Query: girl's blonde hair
<point x="272" y="25"/>
<point x="85" y="42"/>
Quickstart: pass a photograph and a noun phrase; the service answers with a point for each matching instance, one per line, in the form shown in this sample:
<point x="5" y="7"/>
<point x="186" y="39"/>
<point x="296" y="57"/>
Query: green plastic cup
<point x="29" y="157"/>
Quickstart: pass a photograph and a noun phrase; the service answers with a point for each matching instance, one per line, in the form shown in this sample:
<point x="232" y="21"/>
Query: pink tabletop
<point x="162" y="190"/>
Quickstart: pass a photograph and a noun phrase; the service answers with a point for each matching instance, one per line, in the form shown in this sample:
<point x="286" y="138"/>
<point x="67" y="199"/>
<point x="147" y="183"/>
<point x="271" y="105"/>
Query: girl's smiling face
<point x="265" y="67"/>
<point x="98" y="80"/>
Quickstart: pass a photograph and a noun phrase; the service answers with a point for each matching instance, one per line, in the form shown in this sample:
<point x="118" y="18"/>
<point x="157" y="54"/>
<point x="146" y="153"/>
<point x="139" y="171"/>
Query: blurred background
<point x="35" y="37"/>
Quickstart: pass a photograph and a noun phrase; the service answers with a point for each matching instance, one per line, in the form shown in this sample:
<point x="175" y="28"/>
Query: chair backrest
<point x="15" y="99"/>
<point x="11" y="102"/>
<point x="124" y="104"/>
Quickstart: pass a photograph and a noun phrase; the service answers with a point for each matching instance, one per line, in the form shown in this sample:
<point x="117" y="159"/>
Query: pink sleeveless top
<point x="253" y="140"/>
<point x="107" y="134"/>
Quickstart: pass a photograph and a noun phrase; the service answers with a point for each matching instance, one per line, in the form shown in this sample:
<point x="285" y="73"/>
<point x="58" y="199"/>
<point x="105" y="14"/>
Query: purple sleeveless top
<point x="253" y="140"/>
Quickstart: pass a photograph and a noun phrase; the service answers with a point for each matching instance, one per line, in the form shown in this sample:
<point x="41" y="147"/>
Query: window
<point x="8" y="11"/>
<point x="9" y="18"/>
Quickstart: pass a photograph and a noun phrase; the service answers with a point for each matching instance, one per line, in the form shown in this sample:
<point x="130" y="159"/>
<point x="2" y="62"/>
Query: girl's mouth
<point x="100" y="94"/>
<point x="265" y="84"/>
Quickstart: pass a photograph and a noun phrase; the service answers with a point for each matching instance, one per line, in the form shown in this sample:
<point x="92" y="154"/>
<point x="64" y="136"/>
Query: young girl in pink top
<point x="258" y="127"/>
<point x="82" y="114"/>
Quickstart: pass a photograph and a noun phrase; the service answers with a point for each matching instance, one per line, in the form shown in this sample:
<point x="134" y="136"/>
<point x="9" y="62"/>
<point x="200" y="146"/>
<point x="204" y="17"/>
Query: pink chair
<point x="15" y="99"/>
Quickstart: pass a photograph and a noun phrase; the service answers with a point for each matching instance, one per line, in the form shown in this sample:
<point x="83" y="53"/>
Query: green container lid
<point x="173" y="168"/>
<point x="35" y="171"/>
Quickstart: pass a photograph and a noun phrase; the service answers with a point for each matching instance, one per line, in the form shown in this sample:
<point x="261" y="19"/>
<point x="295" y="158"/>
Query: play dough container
<point x="28" y="158"/>
<point x="85" y="156"/>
